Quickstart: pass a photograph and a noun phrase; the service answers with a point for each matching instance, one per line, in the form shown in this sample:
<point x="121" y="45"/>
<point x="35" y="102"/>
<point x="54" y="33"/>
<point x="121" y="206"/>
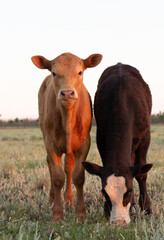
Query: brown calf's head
<point x="117" y="189"/>
<point x="67" y="74"/>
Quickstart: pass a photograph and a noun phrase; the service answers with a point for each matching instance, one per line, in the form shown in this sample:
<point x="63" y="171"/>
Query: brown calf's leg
<point x="57" y="182"/>
<point x="69" y="165"/>
<point x="79" y="178"/>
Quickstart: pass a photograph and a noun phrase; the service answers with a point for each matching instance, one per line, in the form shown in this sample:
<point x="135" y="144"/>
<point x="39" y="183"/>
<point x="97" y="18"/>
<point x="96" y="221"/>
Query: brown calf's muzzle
<point x="67" y="95"/>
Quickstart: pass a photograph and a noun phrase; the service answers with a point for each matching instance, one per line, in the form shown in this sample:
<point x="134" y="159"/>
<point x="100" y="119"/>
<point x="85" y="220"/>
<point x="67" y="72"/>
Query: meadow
<point x="25" y="212"/>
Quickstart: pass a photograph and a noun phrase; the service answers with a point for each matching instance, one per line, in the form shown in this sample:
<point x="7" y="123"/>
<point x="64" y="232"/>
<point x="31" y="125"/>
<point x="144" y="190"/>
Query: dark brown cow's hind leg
<point x="141" y="153"/>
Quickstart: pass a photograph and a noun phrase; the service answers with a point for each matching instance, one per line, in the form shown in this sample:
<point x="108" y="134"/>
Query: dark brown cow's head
<point x="67" y="72"/>
<point x="117" y="189"/>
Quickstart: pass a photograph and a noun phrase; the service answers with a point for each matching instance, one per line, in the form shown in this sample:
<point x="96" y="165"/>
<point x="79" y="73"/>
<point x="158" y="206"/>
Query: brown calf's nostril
<point x="72" y="93"/>
<point x="62" y="93"/>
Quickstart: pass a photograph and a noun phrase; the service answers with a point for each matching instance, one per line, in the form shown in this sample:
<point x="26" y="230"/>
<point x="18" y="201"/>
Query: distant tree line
<point x="20" y="123"/>
<point x="155" y="119"/>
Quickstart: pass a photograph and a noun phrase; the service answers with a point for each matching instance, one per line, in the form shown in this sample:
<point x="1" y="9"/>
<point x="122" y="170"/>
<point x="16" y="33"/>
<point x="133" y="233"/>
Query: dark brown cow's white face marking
<point x="115" y="189"/>
<point x="117" y="184"/>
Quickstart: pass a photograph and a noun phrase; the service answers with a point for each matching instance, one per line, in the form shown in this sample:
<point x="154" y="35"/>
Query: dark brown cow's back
<point x="122" y="108"/>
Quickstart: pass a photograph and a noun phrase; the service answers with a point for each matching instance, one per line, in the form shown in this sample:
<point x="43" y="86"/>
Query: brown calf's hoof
<point x="57" y="214"/>
<point x="81" y="214"/>
<point x="81" y="217"/>
<point x="52" y="197"/>
<point x="69" y="199"/>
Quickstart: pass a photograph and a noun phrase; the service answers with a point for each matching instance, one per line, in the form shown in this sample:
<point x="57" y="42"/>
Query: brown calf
<point x="65" y="121"/>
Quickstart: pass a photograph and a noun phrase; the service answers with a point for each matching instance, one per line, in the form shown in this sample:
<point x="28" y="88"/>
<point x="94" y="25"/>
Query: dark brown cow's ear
<point x="92" y="61"/>
<point x="139" y="170"/>
<point x="93" y="168"/>
<point x="41" y="62"/>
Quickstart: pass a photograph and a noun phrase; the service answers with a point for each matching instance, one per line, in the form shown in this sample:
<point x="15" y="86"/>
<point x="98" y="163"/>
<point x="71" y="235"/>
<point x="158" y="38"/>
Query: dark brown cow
<point x="122" y="110"/>
<point x="65" y="120"/>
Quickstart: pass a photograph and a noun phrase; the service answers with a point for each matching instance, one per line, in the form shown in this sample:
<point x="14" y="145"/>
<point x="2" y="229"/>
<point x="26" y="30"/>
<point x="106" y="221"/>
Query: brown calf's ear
<point x="92" y="61"/>
<point x="141" y="170"/>
<point x="92" y="168"/>
<point x="41" y="62"/>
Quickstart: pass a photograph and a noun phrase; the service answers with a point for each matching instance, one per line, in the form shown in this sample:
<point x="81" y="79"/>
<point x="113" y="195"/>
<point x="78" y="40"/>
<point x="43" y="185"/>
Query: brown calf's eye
<point x="80" y="73"/>
<point x="54" y="74"/>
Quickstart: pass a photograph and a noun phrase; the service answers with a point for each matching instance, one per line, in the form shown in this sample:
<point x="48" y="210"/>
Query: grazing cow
<point x="122" y="110"/>
<point x="65" y="120"/>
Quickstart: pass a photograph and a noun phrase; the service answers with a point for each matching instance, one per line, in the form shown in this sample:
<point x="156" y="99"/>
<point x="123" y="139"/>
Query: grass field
<point x="25" y="212"/>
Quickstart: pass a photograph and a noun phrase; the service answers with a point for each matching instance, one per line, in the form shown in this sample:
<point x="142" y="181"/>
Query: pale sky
<point x="127" y="31"/>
